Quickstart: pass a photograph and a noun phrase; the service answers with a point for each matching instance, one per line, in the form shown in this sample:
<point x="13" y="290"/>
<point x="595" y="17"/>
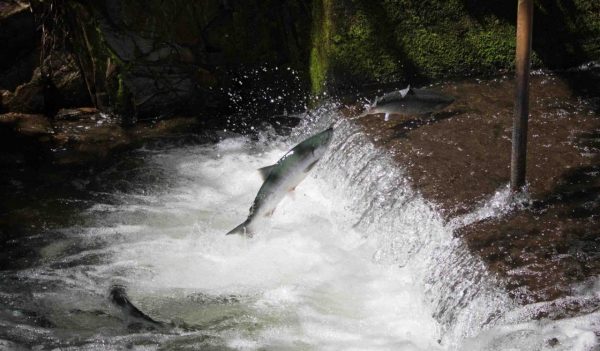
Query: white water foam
<point x="308" y="279"/>
<point x="354" y="260"/>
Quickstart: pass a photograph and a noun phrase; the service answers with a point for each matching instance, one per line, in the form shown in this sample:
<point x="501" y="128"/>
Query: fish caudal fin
<point x="242" y="229"/>
<point x="119" y="298"/>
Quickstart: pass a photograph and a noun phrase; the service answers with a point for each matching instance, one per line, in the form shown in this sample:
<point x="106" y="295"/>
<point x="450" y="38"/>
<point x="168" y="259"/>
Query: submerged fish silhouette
<point x="119" y="297"/>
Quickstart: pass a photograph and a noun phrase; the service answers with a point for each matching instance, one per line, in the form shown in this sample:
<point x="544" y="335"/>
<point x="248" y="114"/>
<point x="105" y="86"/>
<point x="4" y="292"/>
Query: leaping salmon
<point x="283" y="177"/>
<point x="409" y="101"/>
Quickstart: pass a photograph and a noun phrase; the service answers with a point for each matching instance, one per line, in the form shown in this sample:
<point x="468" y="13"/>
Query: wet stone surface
<point x="78" y="136"/>
<point x="460" y="157"/>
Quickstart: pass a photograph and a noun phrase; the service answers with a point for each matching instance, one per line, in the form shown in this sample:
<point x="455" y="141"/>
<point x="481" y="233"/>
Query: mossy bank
<point x="358" y="41"/>
<point x="155" y="58"/>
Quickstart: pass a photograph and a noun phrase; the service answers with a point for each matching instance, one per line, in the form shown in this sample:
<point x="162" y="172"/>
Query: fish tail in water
<point x="119" y="297"/>
<point x="242" y="229"/>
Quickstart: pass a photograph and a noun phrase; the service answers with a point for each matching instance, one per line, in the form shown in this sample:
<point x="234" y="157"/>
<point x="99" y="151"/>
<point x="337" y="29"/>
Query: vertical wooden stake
<point x="523" y="59"/>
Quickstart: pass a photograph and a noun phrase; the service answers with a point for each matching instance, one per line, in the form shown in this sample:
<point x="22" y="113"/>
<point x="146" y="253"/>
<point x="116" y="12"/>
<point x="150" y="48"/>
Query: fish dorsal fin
<point x="404" y="92"/>
<point x="265" y="171"/>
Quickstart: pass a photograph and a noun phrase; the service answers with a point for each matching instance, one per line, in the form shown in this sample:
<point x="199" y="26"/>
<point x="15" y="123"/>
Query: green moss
<point x="348" y="47"/>
<point x="441" y="54"/>
<point x="426" y="49"/>
<point x="321" y="41"/>
<point x="123" y="103"/>
<point x="403" y="39"/>
<point x="318" y="70"/>
<point x="361" y="53"/>
<point x="494" y="48"/>
<point x="381" y="41"/>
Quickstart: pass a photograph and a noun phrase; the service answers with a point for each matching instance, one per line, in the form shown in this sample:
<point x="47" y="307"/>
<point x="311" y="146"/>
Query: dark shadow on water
<point x="402" y="129"/>
<point x="575" y="202"/>
<point x="585" y="84"/>
<point x="578" y="192"/>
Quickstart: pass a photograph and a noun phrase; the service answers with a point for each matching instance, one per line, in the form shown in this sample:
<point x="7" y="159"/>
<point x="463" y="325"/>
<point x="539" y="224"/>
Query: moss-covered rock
<point x="358" y="41"/>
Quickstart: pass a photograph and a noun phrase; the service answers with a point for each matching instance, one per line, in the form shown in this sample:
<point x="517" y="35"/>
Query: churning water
<point x="355" y="259"/>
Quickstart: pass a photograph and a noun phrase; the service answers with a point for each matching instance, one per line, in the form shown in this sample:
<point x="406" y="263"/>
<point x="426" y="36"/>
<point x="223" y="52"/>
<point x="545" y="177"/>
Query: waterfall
<point x="356" y="259"/>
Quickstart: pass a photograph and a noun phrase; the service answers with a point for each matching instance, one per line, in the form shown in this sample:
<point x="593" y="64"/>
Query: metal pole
<point x="519" y="138"/>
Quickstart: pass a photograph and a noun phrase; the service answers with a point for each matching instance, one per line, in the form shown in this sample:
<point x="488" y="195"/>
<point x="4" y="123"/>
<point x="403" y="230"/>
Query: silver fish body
<point x="410" y="102"/>
<point x="283" y="177"/>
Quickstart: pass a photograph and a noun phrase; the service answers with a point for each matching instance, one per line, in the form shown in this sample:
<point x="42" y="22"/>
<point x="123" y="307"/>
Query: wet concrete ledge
<point x="460" y="157"/>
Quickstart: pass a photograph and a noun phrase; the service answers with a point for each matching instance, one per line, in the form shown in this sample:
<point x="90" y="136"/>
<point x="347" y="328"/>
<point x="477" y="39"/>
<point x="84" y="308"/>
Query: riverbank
<point x="459" y="160"/>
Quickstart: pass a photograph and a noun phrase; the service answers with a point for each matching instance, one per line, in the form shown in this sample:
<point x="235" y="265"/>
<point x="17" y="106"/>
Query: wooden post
<point x="523" y="59"/>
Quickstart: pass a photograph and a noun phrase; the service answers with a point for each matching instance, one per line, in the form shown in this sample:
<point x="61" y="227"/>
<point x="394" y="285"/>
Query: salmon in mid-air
<point x="283" y="177"/>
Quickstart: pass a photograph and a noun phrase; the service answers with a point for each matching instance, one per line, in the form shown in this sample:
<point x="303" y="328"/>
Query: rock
<point x="28" y="98"/>
<point x="84" y="135"/>
<point x="181" y="64"/>
<point x="34" y="126"/>
<point x="30" y="125"/>
<point x="164" y="128"/>
<point x="9" y="119"/>
<point x="5" y="98"/>
<point x="76" y="114"/>
<point x="19" y="39"/>
<point x="9" y="9"/>
<point x="74" y="136"/>
<point x="78" y="136"/>
<point x="67" y="79"/>
<point x="65" y="88"/>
